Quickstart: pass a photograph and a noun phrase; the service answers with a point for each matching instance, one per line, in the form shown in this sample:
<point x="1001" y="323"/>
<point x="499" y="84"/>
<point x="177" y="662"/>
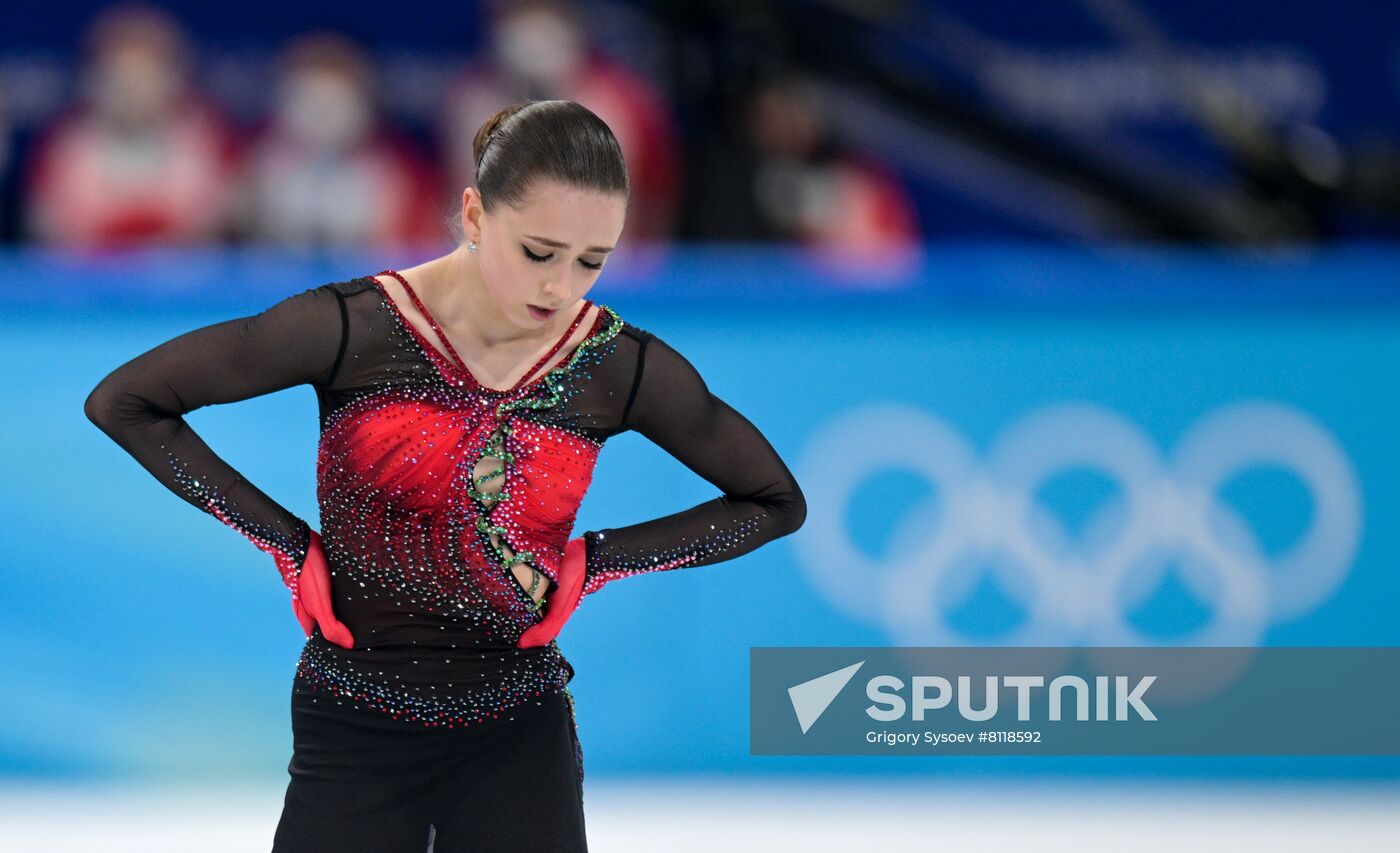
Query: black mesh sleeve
<point x="141" y="405"/>
<point x="761" y="501"/>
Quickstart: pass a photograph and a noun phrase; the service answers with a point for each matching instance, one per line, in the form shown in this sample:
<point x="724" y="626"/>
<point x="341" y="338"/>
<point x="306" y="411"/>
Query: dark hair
<point x="558" y="139"/>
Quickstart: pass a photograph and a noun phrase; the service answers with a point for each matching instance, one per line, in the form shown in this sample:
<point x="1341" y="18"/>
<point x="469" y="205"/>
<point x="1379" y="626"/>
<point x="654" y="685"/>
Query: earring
<point x="471" y="246"/>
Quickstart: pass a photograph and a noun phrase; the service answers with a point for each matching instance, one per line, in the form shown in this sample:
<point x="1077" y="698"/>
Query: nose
<point x="556" y="289"/>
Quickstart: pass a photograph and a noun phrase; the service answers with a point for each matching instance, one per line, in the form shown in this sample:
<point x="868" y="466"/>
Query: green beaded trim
<point x="495" y="448"/>
<point x="556" y="388"/>
<point x="484" y="525"/>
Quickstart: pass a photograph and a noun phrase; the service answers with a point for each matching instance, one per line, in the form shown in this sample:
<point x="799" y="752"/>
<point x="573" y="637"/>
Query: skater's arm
<point x="141" y="406"/>
<point x="760" y="499"/>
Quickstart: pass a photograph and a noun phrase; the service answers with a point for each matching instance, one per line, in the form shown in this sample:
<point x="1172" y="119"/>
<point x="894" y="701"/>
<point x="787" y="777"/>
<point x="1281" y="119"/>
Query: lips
<point x="541" y="313"/>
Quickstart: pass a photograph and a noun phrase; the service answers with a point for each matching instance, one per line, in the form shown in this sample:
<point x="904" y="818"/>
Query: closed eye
<point x="539" y="259"/>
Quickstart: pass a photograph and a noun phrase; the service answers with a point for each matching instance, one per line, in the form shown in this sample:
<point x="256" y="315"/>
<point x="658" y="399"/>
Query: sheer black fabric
<point x="674" y="408"/>
<point x="142" y="404"/>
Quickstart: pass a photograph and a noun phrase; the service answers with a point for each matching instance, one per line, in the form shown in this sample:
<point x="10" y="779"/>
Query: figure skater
<point x="463" y="403"/>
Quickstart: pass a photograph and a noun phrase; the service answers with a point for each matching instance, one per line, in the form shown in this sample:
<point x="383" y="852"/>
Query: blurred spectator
<point x="791" y="180"/>
<point x="540" y="50"/>
<point x="140" y="157"/>
<point x="326" y="170"/>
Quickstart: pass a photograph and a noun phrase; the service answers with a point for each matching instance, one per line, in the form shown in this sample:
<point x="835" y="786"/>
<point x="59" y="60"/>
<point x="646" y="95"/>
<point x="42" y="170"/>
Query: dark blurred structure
<point x="917" y="85"/>
<point x="9" y="212"/>
<point x="788" y="178"/>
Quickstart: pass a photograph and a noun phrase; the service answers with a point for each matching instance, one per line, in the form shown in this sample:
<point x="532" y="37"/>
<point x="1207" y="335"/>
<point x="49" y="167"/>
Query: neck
<point x="460" y="300"/>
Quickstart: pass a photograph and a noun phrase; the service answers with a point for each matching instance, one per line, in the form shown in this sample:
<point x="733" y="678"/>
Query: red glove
<point x="562" y="600"/>
<point x="311" y="597"/>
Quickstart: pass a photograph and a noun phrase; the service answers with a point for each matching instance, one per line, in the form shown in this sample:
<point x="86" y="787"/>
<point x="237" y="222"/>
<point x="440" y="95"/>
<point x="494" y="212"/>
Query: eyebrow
<point x="557" y="245"/>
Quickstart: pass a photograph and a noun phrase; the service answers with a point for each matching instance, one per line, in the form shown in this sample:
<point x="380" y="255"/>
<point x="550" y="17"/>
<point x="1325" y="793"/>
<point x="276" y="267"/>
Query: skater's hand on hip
<point x="312" y="600"/>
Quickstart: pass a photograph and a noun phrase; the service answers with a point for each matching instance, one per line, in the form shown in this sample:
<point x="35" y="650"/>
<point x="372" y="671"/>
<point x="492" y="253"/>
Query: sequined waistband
<point x="431" y="686"/>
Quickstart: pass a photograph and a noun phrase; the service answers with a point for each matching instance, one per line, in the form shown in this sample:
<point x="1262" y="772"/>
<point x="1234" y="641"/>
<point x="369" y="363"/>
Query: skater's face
<point x="547" y="251"/>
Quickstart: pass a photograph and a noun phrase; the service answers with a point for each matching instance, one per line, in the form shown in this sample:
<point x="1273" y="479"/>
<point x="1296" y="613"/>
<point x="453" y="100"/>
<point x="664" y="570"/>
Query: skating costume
<point x="431" y="486"/>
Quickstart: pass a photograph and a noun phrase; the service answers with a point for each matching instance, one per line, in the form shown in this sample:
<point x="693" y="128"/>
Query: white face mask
<point x="538" y="46"/>
<point x="324" y="111"/>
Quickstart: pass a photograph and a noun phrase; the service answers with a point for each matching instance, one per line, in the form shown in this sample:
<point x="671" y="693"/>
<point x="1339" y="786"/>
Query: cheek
<point x="506" y="278"/>
<point x="583" y="284"/>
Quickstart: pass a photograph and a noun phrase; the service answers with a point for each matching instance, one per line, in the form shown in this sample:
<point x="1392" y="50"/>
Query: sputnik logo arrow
<point x="810" y="699"/>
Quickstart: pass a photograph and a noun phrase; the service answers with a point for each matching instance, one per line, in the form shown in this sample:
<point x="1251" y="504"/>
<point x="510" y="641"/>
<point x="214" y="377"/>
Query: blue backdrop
<point x="1001" y="444"/>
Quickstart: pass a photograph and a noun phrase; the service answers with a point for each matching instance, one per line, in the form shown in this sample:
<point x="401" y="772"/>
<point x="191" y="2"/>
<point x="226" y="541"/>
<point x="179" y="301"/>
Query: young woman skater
<point x="463" y="403"/>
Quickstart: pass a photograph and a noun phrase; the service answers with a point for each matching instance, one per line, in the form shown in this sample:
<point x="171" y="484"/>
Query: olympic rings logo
<point x="1076" y="589"/>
